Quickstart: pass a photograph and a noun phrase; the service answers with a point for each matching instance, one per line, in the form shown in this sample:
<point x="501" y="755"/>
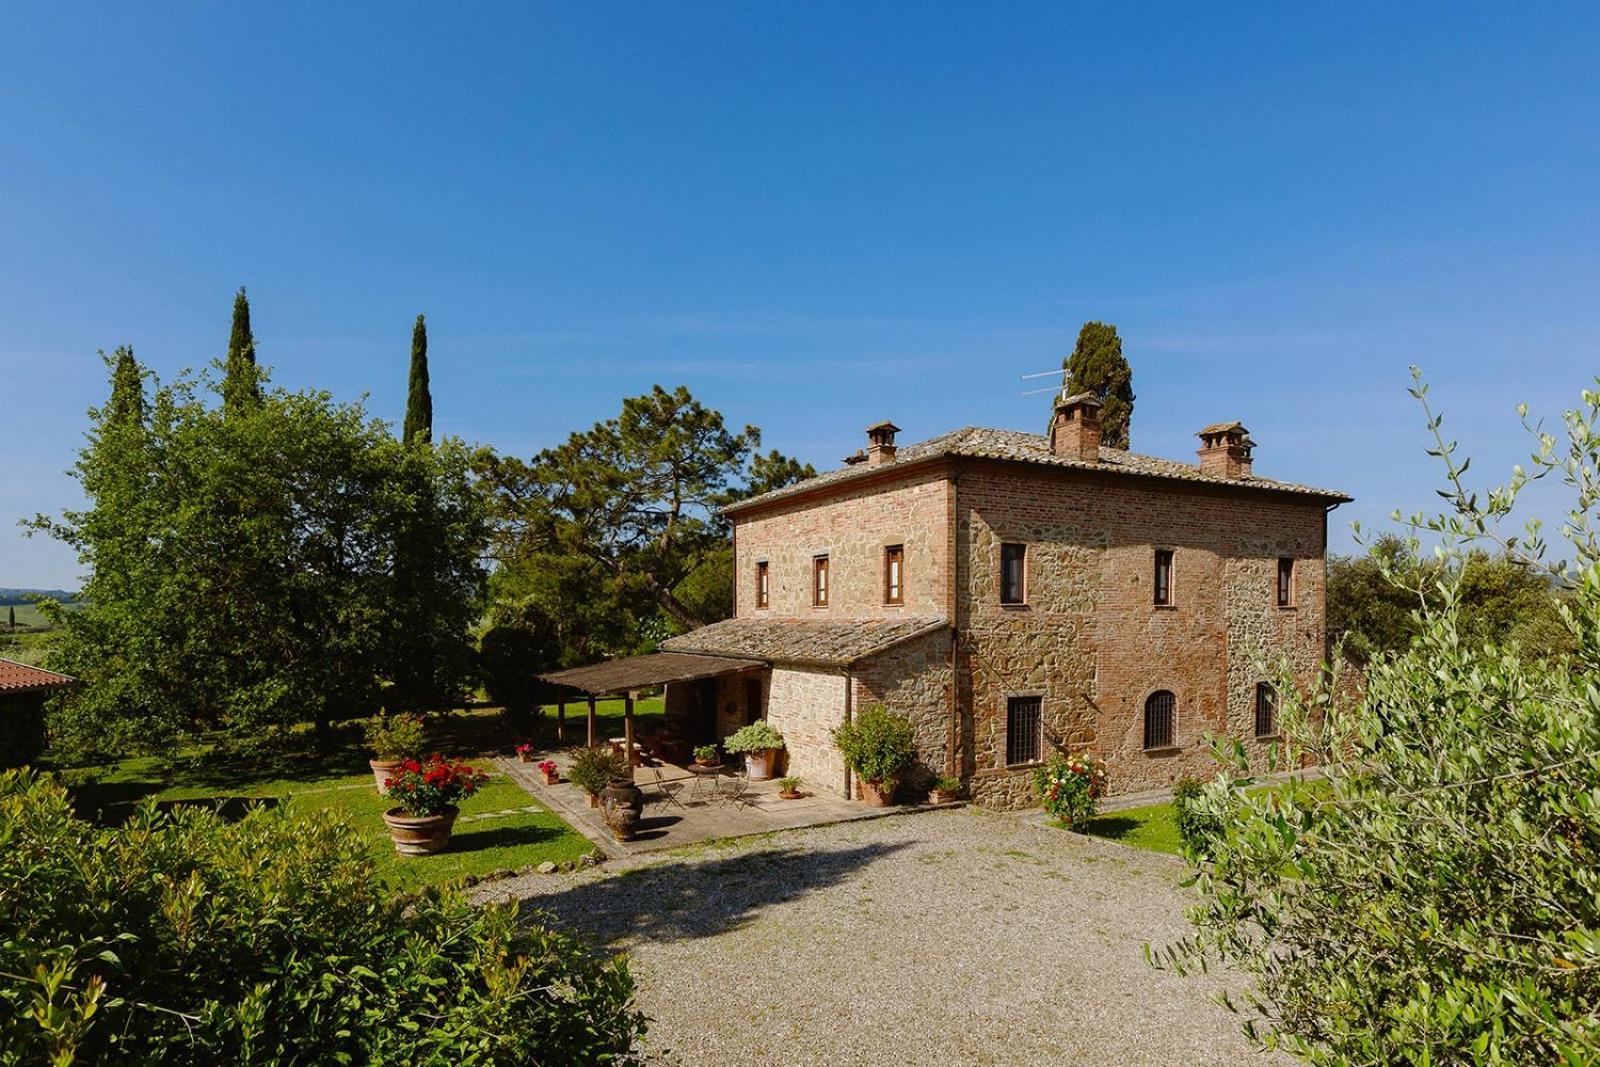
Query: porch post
<point x="594" y="727"/>
<point x="561" y="720"/>
<point x="627" y="729"/>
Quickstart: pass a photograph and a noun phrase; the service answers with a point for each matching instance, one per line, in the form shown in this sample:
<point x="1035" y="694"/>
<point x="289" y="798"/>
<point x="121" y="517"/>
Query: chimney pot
<point x="880" y="443"/>
<point x="1225" y="449"/>
<point x="1075" y="430"/>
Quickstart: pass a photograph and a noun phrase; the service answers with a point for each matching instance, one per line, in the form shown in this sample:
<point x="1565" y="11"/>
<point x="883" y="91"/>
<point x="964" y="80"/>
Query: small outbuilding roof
<point x="637" y="672"/>
<point x="20" y="678"/>
<point x="806" y="642"/>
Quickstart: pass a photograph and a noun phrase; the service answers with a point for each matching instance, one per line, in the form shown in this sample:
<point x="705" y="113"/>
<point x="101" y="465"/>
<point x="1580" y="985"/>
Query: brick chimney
<point x="880" y="442"/>
<point x="1075" y="430"/>
<point x="1225" y="450"/>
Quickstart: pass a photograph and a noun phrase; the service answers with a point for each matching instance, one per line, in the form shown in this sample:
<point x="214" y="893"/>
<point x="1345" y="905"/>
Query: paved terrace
<point x="702" y="816"/>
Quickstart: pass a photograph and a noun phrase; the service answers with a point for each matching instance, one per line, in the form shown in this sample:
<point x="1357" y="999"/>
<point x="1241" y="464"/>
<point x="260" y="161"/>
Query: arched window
<point x="1266" y="710"/>
<point x="1160" y="718"/>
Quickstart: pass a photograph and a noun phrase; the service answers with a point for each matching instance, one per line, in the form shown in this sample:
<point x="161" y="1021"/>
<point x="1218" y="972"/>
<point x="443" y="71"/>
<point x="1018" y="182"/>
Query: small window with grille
<point x="1023" y="715"/>
<point x="1266" y="710"/>
<point x="1160" y="719"/>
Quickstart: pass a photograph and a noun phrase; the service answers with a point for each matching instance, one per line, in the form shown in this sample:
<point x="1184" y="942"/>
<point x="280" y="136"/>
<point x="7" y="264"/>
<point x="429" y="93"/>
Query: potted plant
<point x="878" y="745"/>
<point x="592" y="769"/>
<point x="789" y="788"/>
<point x="524" y="751"/>
<point x="551" y="775"/>
<point x="393" y="740"/>
<point x="946" y="789"/>
<point x="759" y="742"/>
<point x="706" y="755"/>
<point x="427" y="792"/>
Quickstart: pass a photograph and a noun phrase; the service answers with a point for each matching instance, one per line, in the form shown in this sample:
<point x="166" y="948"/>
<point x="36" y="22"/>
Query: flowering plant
<point x="432" y="786"/>
<point x="1070" y="787"/>
<point x="547" y="766"/>
<point x="523" y="748"/>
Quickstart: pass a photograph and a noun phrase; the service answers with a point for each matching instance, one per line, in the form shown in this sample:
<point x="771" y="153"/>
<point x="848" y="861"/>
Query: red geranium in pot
<point x="427" y="792"/>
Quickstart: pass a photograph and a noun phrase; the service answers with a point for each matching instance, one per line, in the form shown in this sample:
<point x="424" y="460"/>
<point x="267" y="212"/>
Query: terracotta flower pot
<point x="525" y="757"/>
<point x="594" y="800"/>
<point x="420" y="835"/>
<point x="759" y="764"/>
<point x="943" y="796"/>
<point x="621" y="804"/>
<point x="552" y="778"/>
<point x="381" y="769"/>
<point x="790" y="794"/>
<point x="877" y="794"/>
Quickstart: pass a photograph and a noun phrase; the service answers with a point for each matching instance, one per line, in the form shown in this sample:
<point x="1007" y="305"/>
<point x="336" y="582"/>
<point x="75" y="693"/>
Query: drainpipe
<point x="849" y="710"/>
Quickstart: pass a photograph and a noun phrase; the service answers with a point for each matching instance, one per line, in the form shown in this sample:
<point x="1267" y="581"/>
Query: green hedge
<point x="183" y="938"/>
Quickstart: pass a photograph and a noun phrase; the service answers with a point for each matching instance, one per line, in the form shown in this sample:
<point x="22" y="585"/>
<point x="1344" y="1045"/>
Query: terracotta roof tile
<point x="981" y="442"/>
<point x="803" y="641"/>
<point x="20" y="678"/>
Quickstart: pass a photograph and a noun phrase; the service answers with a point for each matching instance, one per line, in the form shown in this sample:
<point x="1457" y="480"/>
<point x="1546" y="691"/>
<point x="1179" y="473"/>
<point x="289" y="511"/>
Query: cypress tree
<point x="1097" y="366"/>
<point x="419" y="399"/>
<point x="241" y="387"/>
<point x="11" y="612"/>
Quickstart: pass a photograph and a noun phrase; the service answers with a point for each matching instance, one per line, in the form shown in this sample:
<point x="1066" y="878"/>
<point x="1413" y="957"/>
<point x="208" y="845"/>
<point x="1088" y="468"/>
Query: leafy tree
<point x="242" y="565"/>
<point x="184" y="938"/>
<point x="419" y="399"/>
<point x="1436" y="899"/>
<point x="609" y="526"/>
<point x="1097" y="366"/>
<point x="241" y="383"/>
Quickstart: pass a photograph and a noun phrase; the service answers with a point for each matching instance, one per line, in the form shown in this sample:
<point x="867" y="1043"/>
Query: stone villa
<point x="1016" y="594"/>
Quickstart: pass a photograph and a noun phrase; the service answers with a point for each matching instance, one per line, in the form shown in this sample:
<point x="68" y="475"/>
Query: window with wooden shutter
<point x="1285" y="581"/>
<point x="1023" y="717"/>
<point x="1163" y="577"/>
<point x="894" y="564"/>
<point x="763" y="585"/>
<point x="1160" y="719"/>
<point x="819" y="582"/>
<point x="1013" y="573"/>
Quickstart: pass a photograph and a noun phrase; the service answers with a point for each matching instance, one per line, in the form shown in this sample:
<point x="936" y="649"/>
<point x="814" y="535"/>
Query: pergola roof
<point x="20" y="678"/>
<point x="637" y="672"/>
<point x="806" y="642"/>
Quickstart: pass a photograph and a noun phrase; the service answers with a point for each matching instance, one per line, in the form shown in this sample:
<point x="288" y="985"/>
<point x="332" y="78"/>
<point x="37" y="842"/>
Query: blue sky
<point x="815" y="216"/>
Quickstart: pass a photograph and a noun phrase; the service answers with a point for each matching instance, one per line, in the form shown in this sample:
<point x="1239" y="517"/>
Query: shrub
<point x="790" y="784"/>
<point x="947" y="783"/>
<point x="396" y="737"/>
<point x="595" y="768"/>
<point x="877" y="744"/>
<point x="1070" y="788"/>
<point x="433" y="786"/>
<point x="706" y="753"/>
<point x="182" y="938"/>
<point x="757" y="737"/>
<point x="1197" y="825"/>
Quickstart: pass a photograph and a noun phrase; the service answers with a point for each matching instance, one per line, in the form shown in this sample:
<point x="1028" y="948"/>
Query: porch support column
<point x="627" y="729"/>
<point x="561" y="720"/>
<point x="594" y="727"/>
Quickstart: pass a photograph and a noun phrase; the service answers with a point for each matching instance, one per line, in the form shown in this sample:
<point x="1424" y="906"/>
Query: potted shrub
<point x="878" y="745"/>
<point x="547" y="767"/>
<point x="393" y="740"/>
<point x="789" y="788"/>
<point x="524" y="751"/>
<point x="759" y="742"/>
<point x="592" y="769"/>
<point x="1070" y="788"/>
<point x="621" y="805"/>
<point x="946" y="789"/>
<point x="706" y="755"/>
<point x="427" y="792"/>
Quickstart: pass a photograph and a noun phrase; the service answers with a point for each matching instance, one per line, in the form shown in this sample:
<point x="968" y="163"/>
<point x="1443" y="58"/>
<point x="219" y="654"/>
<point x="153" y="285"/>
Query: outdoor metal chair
<point x="666" y="792"/>
<point x="736" y="790"/>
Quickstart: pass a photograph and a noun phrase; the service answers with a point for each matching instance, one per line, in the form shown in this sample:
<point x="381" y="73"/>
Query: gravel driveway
<point x="943" y="938"/>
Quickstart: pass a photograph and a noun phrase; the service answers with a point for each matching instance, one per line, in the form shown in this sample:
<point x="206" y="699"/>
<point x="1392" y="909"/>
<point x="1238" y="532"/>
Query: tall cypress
<point x="1097" y="366"/>
<point x="419" y="399"/>
<point x="241" y="387"/>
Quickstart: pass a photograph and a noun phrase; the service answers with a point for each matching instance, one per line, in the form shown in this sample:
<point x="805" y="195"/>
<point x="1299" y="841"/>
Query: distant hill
<point x="26" y="596"/>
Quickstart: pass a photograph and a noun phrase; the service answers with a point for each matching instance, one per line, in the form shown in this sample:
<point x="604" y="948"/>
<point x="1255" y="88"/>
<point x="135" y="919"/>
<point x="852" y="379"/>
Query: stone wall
<point x="806" y="705"/>
<point x="1091" y="643"/>
<point x="913" y="679"/>
<point x="852" y="529"/>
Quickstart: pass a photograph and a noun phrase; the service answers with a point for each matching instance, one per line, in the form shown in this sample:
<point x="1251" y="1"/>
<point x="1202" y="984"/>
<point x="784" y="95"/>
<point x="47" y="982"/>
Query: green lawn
<point x="647" y="714"/>
<point x="1153" y="827"/>
<point x="496" y="830"/>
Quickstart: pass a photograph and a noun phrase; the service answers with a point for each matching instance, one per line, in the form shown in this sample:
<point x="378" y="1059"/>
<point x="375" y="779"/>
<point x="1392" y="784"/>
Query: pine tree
<point x="1097" y="366"/>
<point x="241" y="385"/>
<point x="419" y="400"/>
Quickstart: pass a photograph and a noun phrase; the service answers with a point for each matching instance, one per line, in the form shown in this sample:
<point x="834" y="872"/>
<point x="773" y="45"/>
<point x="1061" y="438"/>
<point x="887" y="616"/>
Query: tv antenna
<point x="1046" y="374"/>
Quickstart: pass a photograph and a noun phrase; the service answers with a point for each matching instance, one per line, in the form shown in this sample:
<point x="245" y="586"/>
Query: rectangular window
<point x="1163" y="578"/>
<point x="819" y="582"/>
<point x="763" y="585"/>
<point x="1013" y="573"/>
<point x="1022" y="729"/>
<point x="1285" y="581"/>
<point x="894" y="561"/>
<point x="1266" y="710"/>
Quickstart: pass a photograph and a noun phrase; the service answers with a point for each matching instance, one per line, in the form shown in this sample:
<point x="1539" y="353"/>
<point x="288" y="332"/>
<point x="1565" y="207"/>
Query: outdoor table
<point x="618" y="744"/>
<point x="705" y="777"/>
